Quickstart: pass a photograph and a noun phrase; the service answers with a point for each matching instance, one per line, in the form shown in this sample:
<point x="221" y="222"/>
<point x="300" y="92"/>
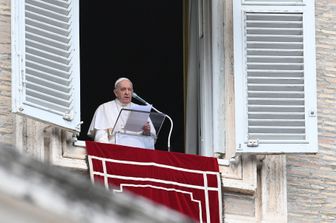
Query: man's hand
<point x="146" y="129"/>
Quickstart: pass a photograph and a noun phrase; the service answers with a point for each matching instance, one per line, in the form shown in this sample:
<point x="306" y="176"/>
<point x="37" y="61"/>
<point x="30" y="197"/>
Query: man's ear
<point x="115" y="92"/>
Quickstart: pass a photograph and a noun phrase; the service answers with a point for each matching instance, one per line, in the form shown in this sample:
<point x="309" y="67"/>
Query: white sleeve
<point x="101" y="136"/>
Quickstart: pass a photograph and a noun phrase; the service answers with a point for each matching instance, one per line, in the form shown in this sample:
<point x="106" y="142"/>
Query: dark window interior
<point x="143" y="41"/>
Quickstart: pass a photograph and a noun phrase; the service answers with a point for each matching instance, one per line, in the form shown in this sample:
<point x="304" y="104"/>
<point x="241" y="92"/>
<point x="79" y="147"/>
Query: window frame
<point x="243" y="144"/>
<point x="70" y="118"/>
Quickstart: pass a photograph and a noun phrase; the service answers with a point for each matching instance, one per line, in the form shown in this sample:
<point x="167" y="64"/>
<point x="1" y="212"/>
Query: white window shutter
<point x="275" y="76"/>
<point x="45" y="61"/>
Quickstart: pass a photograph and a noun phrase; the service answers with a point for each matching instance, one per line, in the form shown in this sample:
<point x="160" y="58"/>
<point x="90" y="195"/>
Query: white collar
<point x="121" y="104"/>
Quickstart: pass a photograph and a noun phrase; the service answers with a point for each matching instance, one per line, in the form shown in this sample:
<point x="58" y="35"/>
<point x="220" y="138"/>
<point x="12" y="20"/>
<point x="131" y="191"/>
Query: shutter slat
<point x="47" y="27"/>
<point x="47" y="55"/>
<point x="278" y="52"/>
<point x="35" y="18"/>
<point x="270" y="87"/>
<point x="274" y="31"/>
<point x="47" y="63"/>
<point x="56" y="80"/>
<point x="273" y="2"/>
<point x="48" y="70"/>
<point x="269" y="115"/>
<point x="278" y="129"/>
<point x="275" y="95"/>
<point x="63" y="53"/>
<point x="274" y="73"/>
<point x="274" y="108"/>
<point x="48" y="93"/>
<point x="48" y="10"/>
<point x="47" y="83"/>
<point x="273" y="45"/>
<point x="276" y="101"/>
<point x="55" y="45"/>
<point x="273" y="138"/>
<point x="42" y="104"/>
<point x="59" y="3"/>
<point x="271" y="122"/>
<point x="31" y="31"/>
<point x="272" y="80"/>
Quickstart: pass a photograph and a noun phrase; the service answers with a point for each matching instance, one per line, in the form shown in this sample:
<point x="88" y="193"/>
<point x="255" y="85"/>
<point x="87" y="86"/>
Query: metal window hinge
<point x="69" y="116"/>
<point x="253" y="142"/>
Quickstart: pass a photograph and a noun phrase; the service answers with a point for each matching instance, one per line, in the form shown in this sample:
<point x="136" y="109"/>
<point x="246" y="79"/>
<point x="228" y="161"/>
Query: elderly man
<point x="103" y="126"/>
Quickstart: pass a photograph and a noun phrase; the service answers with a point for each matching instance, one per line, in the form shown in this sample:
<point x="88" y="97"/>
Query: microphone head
<point x="137" y="97"/>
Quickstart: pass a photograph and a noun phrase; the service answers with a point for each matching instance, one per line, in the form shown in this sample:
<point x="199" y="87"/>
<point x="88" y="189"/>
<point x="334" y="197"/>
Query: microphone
<point x="137" y="97"/>
<point x="134" y="95"/>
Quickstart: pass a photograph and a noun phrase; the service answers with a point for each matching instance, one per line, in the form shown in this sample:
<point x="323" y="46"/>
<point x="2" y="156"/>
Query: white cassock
<point x="104" y="119"/>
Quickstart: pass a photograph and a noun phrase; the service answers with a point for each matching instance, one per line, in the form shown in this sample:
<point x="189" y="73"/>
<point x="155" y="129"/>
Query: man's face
<point x="124" y="91"/>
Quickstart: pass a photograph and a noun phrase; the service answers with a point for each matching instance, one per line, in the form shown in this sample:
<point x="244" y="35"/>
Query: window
<point x="45" y="61"/>
<point x="275" y="86"/>
<point x="205" y="87"/>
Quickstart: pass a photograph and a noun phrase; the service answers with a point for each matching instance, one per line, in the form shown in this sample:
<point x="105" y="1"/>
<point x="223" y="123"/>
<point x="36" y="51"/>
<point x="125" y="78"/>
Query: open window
<point x="144" y="45"/>
<point x="205" y="80"/>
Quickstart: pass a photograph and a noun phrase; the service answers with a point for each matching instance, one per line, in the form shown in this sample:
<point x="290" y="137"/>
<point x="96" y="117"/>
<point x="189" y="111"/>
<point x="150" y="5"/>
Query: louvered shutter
<point x="45" y="61"/>
<point x="275" y="78"/>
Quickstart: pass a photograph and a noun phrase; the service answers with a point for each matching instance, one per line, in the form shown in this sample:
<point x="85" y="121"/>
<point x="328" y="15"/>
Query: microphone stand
<point x="171" y="121"/>
<point x="171" y="126"/>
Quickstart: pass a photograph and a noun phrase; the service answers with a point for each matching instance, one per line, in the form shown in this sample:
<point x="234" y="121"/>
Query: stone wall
<point x="6" y="118"/>
<point x="312" y="178"/>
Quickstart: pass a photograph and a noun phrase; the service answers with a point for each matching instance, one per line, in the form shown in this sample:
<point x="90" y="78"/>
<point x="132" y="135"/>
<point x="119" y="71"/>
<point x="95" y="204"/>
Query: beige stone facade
<point x="311" y="181"/>
<point x="266" y="188"/>
<point x="6" y="118"/>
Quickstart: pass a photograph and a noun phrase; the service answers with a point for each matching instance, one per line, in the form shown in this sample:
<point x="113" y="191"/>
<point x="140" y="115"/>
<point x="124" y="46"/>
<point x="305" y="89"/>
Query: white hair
<point x="120" y="80"/>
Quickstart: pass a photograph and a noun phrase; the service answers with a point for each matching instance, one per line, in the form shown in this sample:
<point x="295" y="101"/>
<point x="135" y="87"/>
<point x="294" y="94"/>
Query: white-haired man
<point x="103" y="127"/>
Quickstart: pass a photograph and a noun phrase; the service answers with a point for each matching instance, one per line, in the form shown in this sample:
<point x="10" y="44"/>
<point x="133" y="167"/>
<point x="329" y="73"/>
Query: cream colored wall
<point x="6" y="119"/>
<point x="312" y="178"/>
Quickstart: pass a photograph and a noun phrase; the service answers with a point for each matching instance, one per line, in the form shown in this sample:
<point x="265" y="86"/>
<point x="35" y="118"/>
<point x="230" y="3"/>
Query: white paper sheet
<point x="137" y="118"/>
<point x="135" y="140"/>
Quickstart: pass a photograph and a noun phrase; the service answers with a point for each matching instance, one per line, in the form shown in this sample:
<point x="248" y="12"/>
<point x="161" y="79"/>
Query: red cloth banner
<point x="189" y="184"/>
